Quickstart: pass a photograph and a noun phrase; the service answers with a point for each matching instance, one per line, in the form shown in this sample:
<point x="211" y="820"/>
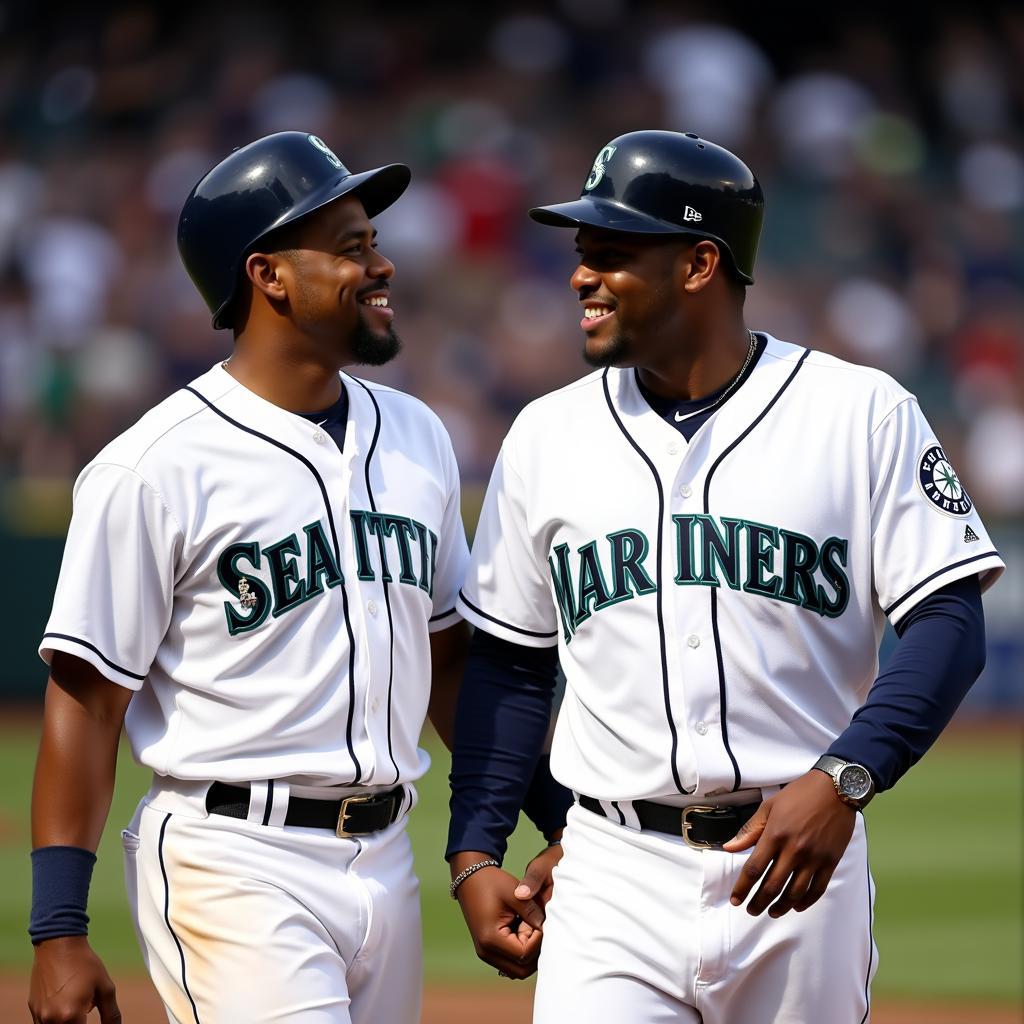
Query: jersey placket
<point x="374" y="641"/>
<point x="692" y="609"/>
<point x="369" y="602"/>
<point x="697" y="673"/>
<point x="664" y="451"/>
<point x="669" y="454"/>
<point x="341" y="473"/>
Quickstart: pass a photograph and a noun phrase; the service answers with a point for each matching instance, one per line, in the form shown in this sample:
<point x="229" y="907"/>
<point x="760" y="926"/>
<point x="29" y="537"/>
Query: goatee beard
<point x="617" y="352"/>
<point x="370" y="348"/>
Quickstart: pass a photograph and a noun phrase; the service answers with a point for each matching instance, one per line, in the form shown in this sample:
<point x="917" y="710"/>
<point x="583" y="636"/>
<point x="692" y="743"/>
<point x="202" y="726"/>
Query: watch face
<point x="854" y="782"/>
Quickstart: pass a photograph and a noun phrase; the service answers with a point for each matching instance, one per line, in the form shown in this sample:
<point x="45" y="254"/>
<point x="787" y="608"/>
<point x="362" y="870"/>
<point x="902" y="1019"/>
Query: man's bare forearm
<point x="74" y="779"/>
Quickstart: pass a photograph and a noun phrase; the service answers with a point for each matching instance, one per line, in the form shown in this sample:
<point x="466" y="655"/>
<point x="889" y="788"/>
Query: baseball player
<point x="262" y="573"/>
<point x="709" y="533"/>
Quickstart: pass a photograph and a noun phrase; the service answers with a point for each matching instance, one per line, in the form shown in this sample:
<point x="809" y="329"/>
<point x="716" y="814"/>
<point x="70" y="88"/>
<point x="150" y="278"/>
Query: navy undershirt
<point x="667" y="408"/>
<point x="332" y="420"/>
<point x="507" y="690"/>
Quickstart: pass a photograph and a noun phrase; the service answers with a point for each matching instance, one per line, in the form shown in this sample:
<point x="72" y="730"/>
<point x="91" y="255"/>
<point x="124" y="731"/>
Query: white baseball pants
<point x="640" y="929"/>
<point x="240" y="921"/>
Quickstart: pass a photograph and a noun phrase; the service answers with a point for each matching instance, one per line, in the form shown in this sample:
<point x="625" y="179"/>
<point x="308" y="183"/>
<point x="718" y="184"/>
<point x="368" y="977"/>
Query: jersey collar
<point x="665" y="445"/>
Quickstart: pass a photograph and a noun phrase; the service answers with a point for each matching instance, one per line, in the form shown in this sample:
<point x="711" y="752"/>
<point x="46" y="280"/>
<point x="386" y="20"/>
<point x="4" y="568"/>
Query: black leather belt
<point x="702" y="826"/>
<point x="357" y="815"/>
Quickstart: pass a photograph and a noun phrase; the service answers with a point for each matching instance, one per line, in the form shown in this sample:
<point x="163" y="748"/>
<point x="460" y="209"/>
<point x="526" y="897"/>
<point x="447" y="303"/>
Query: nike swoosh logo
<point x="680" y="417"/>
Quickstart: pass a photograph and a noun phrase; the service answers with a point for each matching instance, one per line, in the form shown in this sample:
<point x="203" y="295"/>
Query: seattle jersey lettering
<point x="298" y="573"/>
<point x="766" y="561"/>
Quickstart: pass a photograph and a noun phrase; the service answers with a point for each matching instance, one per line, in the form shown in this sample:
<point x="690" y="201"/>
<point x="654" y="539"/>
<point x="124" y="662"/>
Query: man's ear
<point x="269" y="274"/>
<point x="700" y="266"/>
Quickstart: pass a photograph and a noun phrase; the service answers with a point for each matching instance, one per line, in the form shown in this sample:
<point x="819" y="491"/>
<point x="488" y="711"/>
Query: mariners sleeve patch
<point x="940" y="484"/>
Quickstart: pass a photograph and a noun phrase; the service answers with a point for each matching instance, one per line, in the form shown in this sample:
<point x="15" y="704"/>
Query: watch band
<point x="831" y="765"/>
<point x="834" y="767"/>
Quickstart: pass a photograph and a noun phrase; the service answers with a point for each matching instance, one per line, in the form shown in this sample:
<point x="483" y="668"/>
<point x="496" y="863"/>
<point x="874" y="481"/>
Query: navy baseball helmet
<point x="667" y="183"/>
<point x="265" y="185"/>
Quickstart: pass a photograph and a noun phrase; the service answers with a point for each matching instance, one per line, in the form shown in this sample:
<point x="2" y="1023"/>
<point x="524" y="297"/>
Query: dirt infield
<point x="139" y="1005"/>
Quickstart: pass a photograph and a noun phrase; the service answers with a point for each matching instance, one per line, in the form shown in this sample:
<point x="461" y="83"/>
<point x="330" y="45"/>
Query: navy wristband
<point x="60" y="892"/>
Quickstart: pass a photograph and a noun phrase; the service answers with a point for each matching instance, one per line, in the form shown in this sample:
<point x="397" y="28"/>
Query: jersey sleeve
<point x="926" y="532"/>
<point x="452" y="554"/>
<point x="112" y="605"/>
<point x="507" y="590"/>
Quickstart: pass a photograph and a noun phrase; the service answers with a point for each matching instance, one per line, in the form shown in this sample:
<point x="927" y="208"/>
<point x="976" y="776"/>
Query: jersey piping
<point x="502" y="622"/>
<point x="384" y="582"/>
<point x="722" y="689"/>
<point x="96" y="651"/>
<point x="337" y="554"/>
<point x="660" y="590"/>
<point x="949" y="568"/>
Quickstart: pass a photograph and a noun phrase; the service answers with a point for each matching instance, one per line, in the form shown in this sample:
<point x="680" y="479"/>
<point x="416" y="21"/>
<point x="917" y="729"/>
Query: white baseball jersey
<point x="268" y="596"/>
<point x="718" y="604"/>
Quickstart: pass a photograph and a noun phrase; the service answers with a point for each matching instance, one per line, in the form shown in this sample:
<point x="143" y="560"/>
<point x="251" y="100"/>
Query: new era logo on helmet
<point x="325" y="149"/>
<point x="691" y="214"/>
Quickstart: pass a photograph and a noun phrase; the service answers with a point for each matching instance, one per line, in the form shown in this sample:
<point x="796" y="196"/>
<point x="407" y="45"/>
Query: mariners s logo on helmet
<point x="600" y="165"/>
<point x="940" y="484"/>
<point x="325" y="149"/>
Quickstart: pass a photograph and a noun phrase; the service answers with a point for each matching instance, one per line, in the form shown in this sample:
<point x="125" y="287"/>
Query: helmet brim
<point x="378" y="189"/>
<point x="603" y="213"/>
<point x="611" y="216"/>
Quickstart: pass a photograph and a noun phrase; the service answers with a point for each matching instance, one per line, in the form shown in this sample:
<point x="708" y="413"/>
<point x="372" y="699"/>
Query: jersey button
<point x="371" y="607"/>
<point x="375" y="705"/>
<point x="319" y="437"/>
<point x="672" y="448"/>
<point x="685" y="490"/>
<point x="702" y="728"/>
<point x="693" y="641"/>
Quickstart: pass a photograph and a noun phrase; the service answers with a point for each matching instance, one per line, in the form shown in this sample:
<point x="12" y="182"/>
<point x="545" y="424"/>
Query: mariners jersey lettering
<point x="248" y="559"/>
<point x="733" y="552"/>
<point x="718" y="604"/>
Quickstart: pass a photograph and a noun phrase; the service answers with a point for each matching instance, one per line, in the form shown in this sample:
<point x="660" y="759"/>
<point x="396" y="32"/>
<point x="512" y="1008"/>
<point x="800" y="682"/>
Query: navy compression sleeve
<point x="500" y="726"/>
<point x="940" y="653"/>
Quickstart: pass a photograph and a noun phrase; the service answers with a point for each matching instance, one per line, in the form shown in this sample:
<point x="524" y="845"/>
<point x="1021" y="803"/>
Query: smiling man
<point x="262" y="572"/>
<point x="708" y="533"/>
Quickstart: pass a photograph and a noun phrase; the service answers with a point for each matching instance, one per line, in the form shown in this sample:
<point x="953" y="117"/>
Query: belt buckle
<point x="694" y="844"/>
<point x="340" y="831"/>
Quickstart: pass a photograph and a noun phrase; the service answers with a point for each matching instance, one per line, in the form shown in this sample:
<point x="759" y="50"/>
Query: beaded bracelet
<point x="466" y="872"/>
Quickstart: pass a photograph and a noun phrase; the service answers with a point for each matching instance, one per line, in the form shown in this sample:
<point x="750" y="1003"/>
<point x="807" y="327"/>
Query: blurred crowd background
<point x="889" y="146"/>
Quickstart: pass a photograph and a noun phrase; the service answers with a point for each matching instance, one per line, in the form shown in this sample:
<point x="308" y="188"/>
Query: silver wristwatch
<point x="853" y="782"/>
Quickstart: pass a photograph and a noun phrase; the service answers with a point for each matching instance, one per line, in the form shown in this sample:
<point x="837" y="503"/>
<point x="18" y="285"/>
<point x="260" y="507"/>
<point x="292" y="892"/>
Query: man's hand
<point x="537" y="882"/>
<point x="801" y="834"/>
<point x="505" y="930"/>
<point x="68" y="980"/>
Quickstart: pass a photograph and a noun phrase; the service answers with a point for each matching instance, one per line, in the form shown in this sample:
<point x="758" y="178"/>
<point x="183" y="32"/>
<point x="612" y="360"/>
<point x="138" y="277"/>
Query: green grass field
<point x="946" y="852"/>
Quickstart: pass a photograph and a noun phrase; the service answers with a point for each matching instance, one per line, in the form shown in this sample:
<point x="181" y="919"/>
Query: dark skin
<point x="74" y="782"/>
<point x="305" y="307"/>
<point x="668" y="308"/>
<point x="307" y="302"/>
